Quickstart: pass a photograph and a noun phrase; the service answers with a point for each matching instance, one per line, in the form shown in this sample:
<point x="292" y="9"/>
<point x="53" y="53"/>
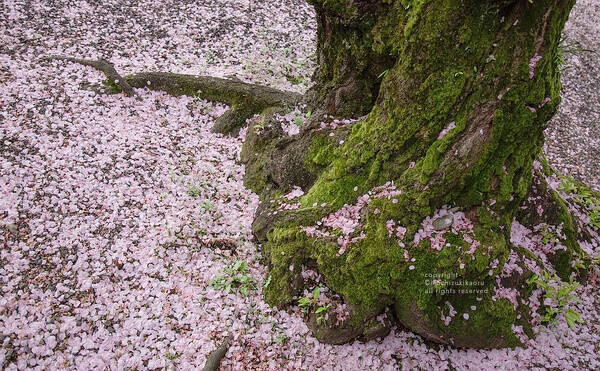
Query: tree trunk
<point x="404" y="208"/>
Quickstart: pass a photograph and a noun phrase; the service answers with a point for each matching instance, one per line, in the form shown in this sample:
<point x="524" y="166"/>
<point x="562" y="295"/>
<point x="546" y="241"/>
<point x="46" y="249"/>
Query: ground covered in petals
<point x="124" y="223"/>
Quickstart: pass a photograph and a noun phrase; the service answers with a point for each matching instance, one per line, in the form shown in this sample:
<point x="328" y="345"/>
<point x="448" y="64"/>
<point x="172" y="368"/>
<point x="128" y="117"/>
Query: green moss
<point x="492" y="324"/>
<point x="255" y="157"/>
<point x="482" y="166"/>
<point x="320" y="153"/>
<point x="563" y="258"/>
<point x="286" y="253"/>
<point x="335" y="193"/>
<point x="488" y="325"/>
<point x="110" y="84"/>
<point x="362" y="275"/>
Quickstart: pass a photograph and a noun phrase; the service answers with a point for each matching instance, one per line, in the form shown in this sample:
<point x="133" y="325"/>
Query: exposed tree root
<point x="244" y="99"/>
<point x="101" y="65"/>
<point x="214" y="358"/>
<point x="230" y="91"/>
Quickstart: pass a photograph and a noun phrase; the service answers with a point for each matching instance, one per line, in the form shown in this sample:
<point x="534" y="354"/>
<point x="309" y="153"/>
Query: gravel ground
<point x="117" y="214"/>
<point x="573" y="136"/>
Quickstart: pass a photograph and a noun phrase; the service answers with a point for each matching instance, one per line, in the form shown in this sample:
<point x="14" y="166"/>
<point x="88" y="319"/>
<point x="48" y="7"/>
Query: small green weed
<point x="234" y="277"/>
<point x="170" y="356"/>
<point x="383" y="74"/>
<point x="267" y="282"/>
<point x="560" y="294"/>
<point x="207" y="206"/>
<point x="259" y="127"/>
<point x="194" y="190"/>
<point x="306" y="303"/>
<point x="584" y="197"/>
<point x="549" y="235"/>
<point x="281" y="338"/>
<point x="566" y="47"/>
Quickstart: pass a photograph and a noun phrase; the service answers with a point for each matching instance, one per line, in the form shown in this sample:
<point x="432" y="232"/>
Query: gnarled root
<point x="101" y="65"/>
<point x="244" y="99"/>
<point x="214" y="358"/>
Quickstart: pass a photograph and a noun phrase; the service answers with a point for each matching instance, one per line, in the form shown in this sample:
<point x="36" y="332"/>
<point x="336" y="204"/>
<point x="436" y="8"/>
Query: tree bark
<point x="348" y="74"/>
<point x="425" y="191"/>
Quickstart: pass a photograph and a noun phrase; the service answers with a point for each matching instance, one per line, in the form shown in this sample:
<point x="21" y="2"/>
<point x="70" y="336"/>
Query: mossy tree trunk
<point x="416" y="201"/>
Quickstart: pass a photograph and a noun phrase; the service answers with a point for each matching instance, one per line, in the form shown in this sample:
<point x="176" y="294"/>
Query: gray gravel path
<point x="573" y="136"/>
